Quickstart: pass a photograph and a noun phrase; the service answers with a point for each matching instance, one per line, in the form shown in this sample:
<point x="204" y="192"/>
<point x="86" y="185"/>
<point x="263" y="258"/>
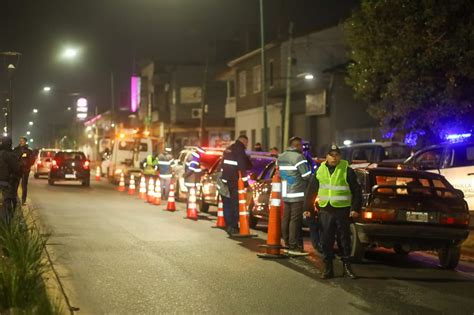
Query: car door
<point x="459" y="170"/>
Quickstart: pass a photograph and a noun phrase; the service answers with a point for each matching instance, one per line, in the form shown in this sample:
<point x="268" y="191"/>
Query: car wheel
<point x="449" y="256"/>
<point x="253" y="221"/>
<point x="50" y="182"/>
<point x="36" y="176"/>
<point x="398" y="249"/>
<point x="357" y="248"/>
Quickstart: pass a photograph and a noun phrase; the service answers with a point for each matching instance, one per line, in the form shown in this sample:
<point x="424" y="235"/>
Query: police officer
<point x="27" y="159"/>
<point x="165" y="163"/>
<point x="192" y="170"/>
<point x="149" y="166"/>
<point x="340" y="198"/>
<point x="295" y="174"/>
<point x="234" y="161"/>
<point x="10" y="174"/>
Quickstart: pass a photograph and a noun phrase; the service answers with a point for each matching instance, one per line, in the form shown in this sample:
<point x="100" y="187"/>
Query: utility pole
<point x="202" y="135"/>
<point x="286" y="122"/>
<point x="11" y="60"/>
<point x="263" y="85"/>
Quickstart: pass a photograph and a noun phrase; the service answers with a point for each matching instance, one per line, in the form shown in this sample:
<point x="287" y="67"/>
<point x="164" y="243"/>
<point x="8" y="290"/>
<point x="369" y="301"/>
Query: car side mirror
<point x="460" y="193"/>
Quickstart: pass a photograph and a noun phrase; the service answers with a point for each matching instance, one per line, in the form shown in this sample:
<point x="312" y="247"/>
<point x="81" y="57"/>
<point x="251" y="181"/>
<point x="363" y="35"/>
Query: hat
<point x="333" y="148"/>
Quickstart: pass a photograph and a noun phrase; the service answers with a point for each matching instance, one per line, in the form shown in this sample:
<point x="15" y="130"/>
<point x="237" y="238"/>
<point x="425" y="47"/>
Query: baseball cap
<point x="333" y="148"/>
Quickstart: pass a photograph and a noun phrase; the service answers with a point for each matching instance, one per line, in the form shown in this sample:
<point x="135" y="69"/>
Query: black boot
<point x="328" y="270"/>
<point x="347" y="271"/>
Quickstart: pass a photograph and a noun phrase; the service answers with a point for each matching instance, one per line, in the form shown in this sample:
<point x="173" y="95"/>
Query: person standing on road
<point x="149" y="166"/>
<point x="295" y="174"/>
<point x="10" y="174"/>
<point x="340" y="198"/>
<point x="234" y="161"/>
<point x="165" y="161"/>
<point x="27" y="159"/>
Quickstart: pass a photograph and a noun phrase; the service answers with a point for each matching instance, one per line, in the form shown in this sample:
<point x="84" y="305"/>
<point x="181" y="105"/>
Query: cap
<point x="333" y="148"/>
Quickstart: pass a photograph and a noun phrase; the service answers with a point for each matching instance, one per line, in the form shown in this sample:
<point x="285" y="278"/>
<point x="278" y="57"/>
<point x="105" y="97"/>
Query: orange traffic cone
<point x="273" y="246"/>
<point x="151" y="190"/>
<point x="142" y="188"/>
<point x="121" y="183"/>
<point x="171" y="202"/>
<point x="97" y="174"/>
<point x="244" y="230"/>
<point x="192" y="207"/>
<point x="220" y="214"/>
<point x="131" y="185"/>
<point x="157" y="200"/>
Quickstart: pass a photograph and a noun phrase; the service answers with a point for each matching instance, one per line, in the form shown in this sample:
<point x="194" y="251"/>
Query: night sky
<point x="114" y="33"/>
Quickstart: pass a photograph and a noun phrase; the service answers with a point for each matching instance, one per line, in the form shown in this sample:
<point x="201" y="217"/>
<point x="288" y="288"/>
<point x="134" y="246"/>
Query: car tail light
<point x="454" y="219"/>
<point x="379" y="214"/>
<point x="86" y="165"/>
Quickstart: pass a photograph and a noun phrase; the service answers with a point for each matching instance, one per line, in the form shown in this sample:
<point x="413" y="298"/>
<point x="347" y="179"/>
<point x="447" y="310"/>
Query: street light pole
<point x="11" y="59"/>
<point x="262" y="78"/>
<point x="286" y="122"/>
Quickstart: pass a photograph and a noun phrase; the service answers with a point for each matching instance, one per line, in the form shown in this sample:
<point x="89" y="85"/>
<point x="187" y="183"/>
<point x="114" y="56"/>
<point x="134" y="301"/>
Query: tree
<point x="413" y="62"/>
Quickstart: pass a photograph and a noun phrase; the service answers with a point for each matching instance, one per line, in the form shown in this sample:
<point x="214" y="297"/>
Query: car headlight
<point x="118" y="171"/>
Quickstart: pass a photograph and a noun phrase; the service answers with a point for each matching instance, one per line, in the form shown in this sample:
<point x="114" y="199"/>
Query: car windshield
<point x="397" y="152"/>
<point x="78" y="156"/>
<point x="49" y="154"/>
<point x="411" y="185"/>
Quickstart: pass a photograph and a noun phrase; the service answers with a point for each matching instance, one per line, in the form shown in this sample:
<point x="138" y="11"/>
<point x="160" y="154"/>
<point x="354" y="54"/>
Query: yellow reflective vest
<point x="334" y="188"/>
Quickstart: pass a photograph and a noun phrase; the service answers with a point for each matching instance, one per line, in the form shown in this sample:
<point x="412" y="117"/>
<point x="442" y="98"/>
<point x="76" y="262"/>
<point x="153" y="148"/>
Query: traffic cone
<point x="171" y="206"/>
<point x="151" y="191"/>
<point x="220" y="223"/>
<point x="121" y="187"/>
<point x="131" y="185"/>
<point x="142" y="188"/>
<point x="157" y="200"/>
<point x="244" y="228"/>
<point x="273" y="246"/>
<point x="192" y="207"/>
<point x="97" y="174"/>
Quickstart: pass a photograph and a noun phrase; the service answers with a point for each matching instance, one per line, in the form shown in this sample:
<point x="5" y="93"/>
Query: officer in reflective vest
<point x="340" y="198"/>
<point x="295" y="174"/>
<point x="193" y="169"/>
<point x="149" y="166"/>
<point x="165" y="163"/>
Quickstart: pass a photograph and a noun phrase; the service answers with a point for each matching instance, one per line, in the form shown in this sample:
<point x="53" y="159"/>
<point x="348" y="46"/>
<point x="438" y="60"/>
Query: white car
<point x="361" y="155"/>
<point x="455" y="161"/>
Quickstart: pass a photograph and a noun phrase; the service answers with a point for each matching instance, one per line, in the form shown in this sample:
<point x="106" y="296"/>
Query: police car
<point x="360" y="155"/>
<point x="455" y="161"/>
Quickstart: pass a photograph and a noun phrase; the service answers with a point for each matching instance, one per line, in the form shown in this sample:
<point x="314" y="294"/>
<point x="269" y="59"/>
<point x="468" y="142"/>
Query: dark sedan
<point x="410" y="210"/>
<point x="70" y="166"/>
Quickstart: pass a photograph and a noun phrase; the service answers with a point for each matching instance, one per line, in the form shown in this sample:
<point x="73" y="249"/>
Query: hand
<point x="354" y="214"/>
<point x="306" y="214"/>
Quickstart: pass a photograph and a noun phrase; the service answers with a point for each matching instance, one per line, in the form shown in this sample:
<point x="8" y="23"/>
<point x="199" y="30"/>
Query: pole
<point x="262" y="79"/>
<point x="203" y="103"/>
<point x="10" y="108"/>
<point x="286" y="123"/>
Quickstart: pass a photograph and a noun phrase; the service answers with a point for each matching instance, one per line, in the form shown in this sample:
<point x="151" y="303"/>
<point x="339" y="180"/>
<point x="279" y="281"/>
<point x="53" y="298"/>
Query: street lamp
<point x="28" y="133"/>
<point x="35" y="111"/>
<point x="47" y="89"/>
<point x="11" y="59"/>
<point x="32" y="140"/>
<point x="31" y="123"/>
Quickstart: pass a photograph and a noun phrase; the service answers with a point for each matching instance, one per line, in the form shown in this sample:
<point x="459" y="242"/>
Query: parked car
<point x="410" y="210"/>
<point x="455" y="161"/>
<point x="208" y="194"/>
<point x="207" y="158"/>
<point x="363" y="154"/>
<point x="43" y="162"/>
<point x="70" y="166"/>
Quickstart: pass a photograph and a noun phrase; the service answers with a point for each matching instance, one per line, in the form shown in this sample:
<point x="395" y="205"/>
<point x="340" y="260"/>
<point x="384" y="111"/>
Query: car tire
<point x="50" y="182"/>
<point x="400" y="251"/>
<point x="253" y="221"/>
<point x="449" y="256"/>
<point x="36" y="176"/>
<point x="357" y="248"/>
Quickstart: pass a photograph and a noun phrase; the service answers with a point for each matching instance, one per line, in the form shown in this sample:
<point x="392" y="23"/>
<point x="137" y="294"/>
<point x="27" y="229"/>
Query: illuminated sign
<point x="135" y="86"/>
<point x="81" y="108"/>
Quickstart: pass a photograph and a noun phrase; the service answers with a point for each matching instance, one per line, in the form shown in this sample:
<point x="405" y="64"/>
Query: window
<point x="242" y="83"/>
<point x="267" y="172"/>
<point x="271" y="73"/>
<point x="430" y="159"/>
<point x="363" y="154"/>
<point x="78" y="156"/>
<point x="257" y="82"/>
<point x="243" y="132"/>
<point x="464" y="156"/>
<point x="231" y="88"/>
<point x="49" y="154"/>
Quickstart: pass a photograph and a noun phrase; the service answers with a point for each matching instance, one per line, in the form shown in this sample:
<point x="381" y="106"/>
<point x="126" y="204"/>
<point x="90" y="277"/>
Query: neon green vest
<point x="149" y="168"/>
<point x="334" y="189"/>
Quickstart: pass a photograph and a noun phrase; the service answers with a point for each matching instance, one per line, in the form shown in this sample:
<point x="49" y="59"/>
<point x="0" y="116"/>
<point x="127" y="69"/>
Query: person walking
<point x="295" y="174"/>
<point x="10" y="174"/>
<point x="235" y="162"/>
<point x="165" y="161"/>
<point x="27" y="159"/>
<point x="340" y="198"/>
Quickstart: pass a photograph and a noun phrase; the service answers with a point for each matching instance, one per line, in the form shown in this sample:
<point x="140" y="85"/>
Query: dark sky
<point x="112" y="33"/>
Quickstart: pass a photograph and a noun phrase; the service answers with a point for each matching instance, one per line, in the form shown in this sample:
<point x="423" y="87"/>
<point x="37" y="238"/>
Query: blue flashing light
<point x="458" y="137"/>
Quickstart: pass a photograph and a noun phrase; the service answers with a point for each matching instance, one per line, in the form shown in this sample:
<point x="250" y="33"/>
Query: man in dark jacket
<point x="340" y="198"/>
<point x="9" y="176"/>
<point x="27" y="159"/>
<point x="234" y="161"/>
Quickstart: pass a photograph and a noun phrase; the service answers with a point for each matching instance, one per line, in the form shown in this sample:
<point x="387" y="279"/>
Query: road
<point x="119" y="255"/>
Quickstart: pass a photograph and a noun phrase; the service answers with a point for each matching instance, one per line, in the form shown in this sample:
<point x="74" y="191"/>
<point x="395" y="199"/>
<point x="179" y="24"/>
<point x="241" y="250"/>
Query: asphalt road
<point x="118" y="255"/>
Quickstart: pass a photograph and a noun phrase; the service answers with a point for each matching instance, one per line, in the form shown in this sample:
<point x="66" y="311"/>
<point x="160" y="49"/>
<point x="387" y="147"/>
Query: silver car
<point x="43" y="162"/>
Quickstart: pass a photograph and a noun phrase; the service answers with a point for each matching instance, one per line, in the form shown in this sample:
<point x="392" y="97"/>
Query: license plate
<point x="414" y="216"/>
<point x="71" y="176"/>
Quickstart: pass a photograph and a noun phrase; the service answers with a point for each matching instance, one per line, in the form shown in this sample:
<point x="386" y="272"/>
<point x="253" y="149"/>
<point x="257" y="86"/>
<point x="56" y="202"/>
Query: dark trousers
<point x="231" y="206"/>
<point x="334" y="221"/>
<point x="313" y="224"/>
<point x="292" y="223"/>
<point x="24" y="185"/>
